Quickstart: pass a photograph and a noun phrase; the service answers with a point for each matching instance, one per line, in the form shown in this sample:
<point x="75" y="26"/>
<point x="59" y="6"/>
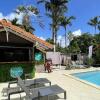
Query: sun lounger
<point x="77" y="65"/>
<point x="10" y="91"/>
<point x="42" y="91"/>
<point x="14" y="90"/>
<point x="28" y="83"/>
<point x="31" y="82"/>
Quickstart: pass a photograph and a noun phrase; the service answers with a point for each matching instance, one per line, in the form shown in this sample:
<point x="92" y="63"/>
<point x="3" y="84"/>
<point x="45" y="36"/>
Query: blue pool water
<point x="92" y="77"/>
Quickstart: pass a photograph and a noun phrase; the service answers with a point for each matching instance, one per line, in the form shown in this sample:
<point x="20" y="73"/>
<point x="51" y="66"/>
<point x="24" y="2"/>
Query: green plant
<point x="39" y="62"/>
<point x="5" y="70"/>
<point x="95" y="22"/>
<point x="97" y="56"/>
<point x="68" y="67"/>
<point x="90" y="61"/>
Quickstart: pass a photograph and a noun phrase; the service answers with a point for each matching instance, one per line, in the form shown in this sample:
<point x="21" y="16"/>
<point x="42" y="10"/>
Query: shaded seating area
<point x="18" y="49"/>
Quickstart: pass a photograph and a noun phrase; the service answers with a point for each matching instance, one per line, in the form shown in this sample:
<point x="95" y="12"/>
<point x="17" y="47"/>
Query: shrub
<point x="97" y="56"/>
<point x="5" y="70"/>
<point x="90" y="61"/>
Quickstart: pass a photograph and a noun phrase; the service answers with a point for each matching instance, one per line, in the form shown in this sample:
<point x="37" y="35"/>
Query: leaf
<point x="99" y="27"/>
<point x="40" y="1"/>
<point x="21" y="8"/>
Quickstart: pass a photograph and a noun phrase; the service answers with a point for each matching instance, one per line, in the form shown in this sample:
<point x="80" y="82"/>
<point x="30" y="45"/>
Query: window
<point x="13" y="54"/>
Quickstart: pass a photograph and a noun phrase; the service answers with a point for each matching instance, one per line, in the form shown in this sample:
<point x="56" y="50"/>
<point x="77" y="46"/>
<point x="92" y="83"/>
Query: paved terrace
<point x="76" y="90"/>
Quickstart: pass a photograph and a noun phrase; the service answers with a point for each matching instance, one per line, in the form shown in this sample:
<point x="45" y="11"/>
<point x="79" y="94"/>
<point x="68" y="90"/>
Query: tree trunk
<point x="95" y="29"/>
<point x="55" y="40"/>
<point x="53" y="34"/>
<point x="65" y="38"/>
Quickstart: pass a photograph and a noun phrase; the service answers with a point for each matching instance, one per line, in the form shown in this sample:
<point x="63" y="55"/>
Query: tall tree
<point x="94" y="22"/>
<point x="83" y="41"/>
<point x="27" y="11"/>
<point x="65" y="22"/>
<point x="54" y="9"/>
<point x="97" y="38"/>
<point x="99" y="26"/>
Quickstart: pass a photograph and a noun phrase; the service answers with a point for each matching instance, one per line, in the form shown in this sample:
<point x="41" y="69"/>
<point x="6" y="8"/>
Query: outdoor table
<point x="55" y="89"/>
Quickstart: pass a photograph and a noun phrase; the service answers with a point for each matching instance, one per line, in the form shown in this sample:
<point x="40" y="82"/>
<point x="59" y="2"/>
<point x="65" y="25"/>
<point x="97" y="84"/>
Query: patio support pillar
<point x="33" y="53"/>
<point x="7" y="34"/>
<point x="44" y="56"/>
<point x="30" y="58"/>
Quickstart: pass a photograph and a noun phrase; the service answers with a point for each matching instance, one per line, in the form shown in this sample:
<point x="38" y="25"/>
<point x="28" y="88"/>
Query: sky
<point x="83" y="10"/>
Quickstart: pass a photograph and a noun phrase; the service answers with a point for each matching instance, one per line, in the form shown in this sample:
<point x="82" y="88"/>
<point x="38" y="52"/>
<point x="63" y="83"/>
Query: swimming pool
<point x="92" y="76"/>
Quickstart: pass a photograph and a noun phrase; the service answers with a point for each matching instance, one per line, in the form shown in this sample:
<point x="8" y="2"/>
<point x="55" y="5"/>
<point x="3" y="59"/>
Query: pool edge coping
<point x="83" y="81"/>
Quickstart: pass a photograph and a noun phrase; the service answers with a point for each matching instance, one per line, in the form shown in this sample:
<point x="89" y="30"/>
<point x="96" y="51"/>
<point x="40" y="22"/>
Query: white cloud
<point x="1" y="16"/>
<point x="11" y="16"/>
<point x="61" y="41"/>
<point x="59" y="38"/>
<point x="77" y="32"/>
<point x="20" y="16"/>
<point x="42" y="38"/>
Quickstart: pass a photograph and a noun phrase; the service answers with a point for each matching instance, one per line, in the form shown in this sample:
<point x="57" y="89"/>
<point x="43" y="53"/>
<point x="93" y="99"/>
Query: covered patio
<point x="17" y="48"/>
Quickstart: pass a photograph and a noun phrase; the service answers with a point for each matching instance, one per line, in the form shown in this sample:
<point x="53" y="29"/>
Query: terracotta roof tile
<point x="24" y="33"/>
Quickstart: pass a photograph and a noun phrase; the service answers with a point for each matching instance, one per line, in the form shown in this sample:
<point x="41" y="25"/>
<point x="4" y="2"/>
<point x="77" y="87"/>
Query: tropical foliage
<point x="64" y="22"/>
<point x="54" y="10"/>
<point x="83" y="41"/>
<point x="14" y="22"/>
<point x="95" y="22"/>
<point x="81" y="44"/>
<point x="5" y="70"/>
<point x="27" y="12"/>
<point x="50" y="40"/>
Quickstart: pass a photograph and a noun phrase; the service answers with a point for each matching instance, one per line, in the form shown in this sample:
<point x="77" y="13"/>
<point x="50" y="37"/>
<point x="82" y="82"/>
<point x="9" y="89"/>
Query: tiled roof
<point x="8" y="24"/>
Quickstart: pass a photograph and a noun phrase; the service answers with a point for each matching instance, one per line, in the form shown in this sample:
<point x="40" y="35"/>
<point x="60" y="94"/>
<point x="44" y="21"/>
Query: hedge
<point x="5" y="70"/>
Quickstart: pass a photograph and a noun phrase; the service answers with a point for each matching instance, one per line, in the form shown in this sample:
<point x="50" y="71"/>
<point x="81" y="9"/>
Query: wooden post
<point x="44" y="56"/>
<point x="30" y="54"/>
<point x="33" y="53"/>
<point x="7" y="34"/>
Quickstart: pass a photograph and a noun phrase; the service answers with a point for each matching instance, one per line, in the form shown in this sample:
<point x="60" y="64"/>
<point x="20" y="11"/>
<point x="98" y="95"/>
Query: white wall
<point x="55" y="56"/>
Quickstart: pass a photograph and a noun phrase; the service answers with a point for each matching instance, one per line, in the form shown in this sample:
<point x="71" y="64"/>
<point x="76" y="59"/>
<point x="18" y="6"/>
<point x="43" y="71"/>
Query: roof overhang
<point x="8" y="27"/>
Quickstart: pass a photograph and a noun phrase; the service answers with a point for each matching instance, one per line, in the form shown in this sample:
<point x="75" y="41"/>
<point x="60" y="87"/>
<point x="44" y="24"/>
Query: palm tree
<point x="94" y="22"/>
<point x="27" y="12"/>
<point x="99" y="26"/>
<point x="54" y="9"/>
<point x="65" y="22"/>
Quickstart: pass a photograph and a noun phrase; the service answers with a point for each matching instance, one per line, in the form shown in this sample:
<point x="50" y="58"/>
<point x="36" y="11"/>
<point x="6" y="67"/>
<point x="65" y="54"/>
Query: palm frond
<point x="40" y="1"/>
<point x="49" y="15"/>
<point x="99" y="27"/>
<point x="21" y="8"/>
<point x="33" y="9"/>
